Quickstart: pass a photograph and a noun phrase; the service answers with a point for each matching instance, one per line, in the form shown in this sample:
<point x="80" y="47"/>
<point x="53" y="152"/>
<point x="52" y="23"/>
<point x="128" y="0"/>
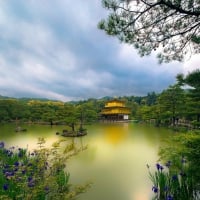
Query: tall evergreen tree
<point x="171" y="102"/>
<point x="193" y="96"/>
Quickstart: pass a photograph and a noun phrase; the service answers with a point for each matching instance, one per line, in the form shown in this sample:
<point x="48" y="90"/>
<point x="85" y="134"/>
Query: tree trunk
<point x="198" y="117"/>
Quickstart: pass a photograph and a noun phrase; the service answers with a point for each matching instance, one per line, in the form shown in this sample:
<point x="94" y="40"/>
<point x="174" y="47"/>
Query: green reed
<point x="172" y="183"/>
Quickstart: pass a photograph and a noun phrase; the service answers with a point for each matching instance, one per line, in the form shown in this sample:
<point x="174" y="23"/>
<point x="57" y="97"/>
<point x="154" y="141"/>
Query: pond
<point x="115" y="160"/>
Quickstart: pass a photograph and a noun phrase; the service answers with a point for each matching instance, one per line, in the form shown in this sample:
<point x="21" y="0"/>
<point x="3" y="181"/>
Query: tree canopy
<point x="193" y="103"/>
<point x="171" y="27"/>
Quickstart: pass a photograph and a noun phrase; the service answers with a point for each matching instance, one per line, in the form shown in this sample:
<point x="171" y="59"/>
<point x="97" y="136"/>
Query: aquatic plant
<point x="171" y="183"/>
<point x="40" y="174"/>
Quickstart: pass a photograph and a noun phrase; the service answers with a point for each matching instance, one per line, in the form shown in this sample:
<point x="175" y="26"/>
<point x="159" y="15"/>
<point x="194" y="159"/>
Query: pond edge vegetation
<point x="40" y="174"/>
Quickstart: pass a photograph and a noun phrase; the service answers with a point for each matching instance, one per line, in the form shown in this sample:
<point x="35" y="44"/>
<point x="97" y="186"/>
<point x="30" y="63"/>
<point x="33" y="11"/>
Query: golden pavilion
<point x="115" y="110"/>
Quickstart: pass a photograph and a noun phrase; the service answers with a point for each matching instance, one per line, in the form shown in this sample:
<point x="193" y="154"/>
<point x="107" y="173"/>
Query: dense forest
<point x="179" y="104"/>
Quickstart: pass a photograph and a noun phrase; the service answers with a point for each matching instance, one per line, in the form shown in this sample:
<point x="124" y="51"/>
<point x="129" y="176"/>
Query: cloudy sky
<point x="53" y="49"/>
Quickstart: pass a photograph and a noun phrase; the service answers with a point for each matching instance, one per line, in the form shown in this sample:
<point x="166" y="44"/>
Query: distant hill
<point x="5" y="97"/>
<point x="106" y="98"/>
<point x="27" y="98"/>
<point x="36" y="99"/>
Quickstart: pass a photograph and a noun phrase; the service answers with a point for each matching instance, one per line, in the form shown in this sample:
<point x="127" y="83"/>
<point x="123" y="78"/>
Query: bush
<point x="40" y="174"/>
<point x="173" y="185"/>
<point x="179" y="178"/>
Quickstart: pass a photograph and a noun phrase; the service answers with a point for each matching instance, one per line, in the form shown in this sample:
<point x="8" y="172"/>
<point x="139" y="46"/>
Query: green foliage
<point x="171" y="27"/>
<point x="172" y="185"/>
<point x="12" y="109"/>
<point x="184" y="145"/>
<point x="196" y="39"/>
<point x="171" y="102"/>
<point x="47" y="111"/>
<point x="179" y="178"/>
<point x="144" y="113"/>
<point x="174" y="106"/>
<point x="193" y="95"/>
<point x="151" y="98"/>
<point x="193" y="78"/>
<point x="40" y="174"/>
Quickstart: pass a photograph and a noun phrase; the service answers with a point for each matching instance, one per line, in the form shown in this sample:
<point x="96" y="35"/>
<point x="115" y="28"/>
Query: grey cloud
<point x="53" y="49"/>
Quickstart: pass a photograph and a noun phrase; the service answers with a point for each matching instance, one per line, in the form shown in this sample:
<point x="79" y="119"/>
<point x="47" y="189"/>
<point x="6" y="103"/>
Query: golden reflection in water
<point x="141" y="195"/>
<point x="116" y="134"/>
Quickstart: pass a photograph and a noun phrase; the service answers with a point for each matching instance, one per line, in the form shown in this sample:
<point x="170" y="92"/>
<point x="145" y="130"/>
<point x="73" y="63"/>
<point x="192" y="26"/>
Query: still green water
<point x="115" y="160"/>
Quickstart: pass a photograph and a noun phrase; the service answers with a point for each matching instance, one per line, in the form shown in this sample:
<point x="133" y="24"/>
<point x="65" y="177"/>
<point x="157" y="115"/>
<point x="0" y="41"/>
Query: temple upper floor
<point x="115" y="103"/>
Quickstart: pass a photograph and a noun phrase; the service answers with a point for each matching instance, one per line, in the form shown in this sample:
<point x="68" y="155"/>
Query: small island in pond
<point x="73" y="133"/>
<point x="79" y="133"/>
<point x="20" y="129"/>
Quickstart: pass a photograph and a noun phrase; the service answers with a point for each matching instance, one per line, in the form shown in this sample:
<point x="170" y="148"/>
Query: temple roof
<point x="115" y="106"/>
